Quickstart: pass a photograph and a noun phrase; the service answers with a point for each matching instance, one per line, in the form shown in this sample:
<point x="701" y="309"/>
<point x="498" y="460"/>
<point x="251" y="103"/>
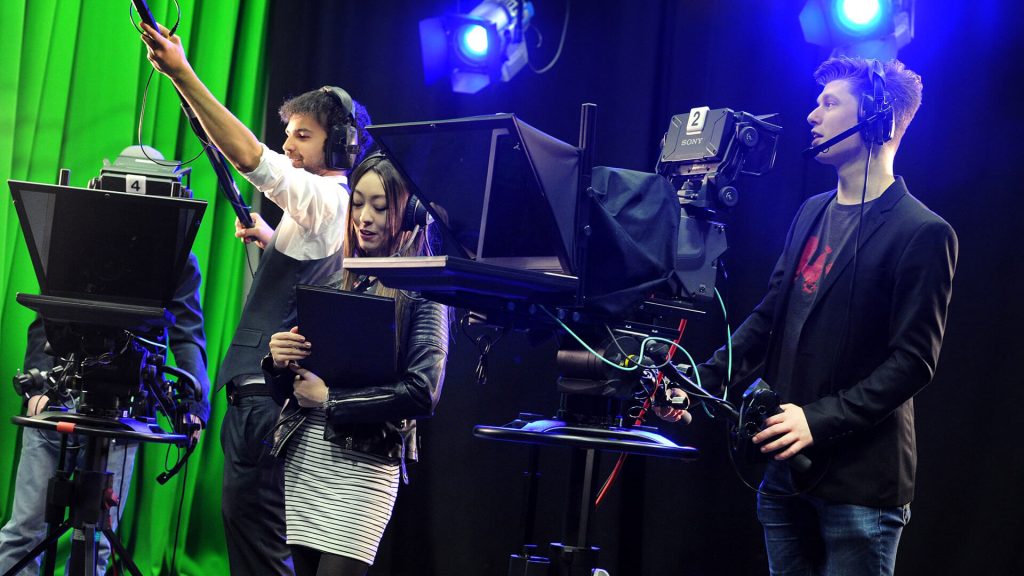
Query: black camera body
<point x="113" y="372"/>
<point x="702" y="154"/>
<point x="597" y="394"/>
<point x="704" y="151"/>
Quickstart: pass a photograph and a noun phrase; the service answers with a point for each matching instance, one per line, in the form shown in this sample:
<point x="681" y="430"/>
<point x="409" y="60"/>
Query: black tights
<point x="310" y="562"/>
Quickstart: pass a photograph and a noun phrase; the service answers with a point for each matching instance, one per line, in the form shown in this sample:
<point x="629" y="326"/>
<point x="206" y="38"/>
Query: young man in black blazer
<point x="848" y="333"/>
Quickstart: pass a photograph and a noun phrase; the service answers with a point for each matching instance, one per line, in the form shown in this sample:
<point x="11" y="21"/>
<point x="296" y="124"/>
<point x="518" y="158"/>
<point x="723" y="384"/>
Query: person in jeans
<point x="849" y="331"/>
<point x="40" y="449"/>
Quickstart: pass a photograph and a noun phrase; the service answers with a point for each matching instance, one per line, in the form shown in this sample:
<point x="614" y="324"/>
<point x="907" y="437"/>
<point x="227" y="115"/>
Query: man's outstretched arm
<point x="238" y="144"/>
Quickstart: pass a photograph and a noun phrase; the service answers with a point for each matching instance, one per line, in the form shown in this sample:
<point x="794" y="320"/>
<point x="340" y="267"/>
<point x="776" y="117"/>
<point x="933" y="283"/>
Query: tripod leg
<point x="83" y="551"/>
<point x="578" y="559"/>
<point x="88" y="515"/>
<point x="581" y="496"/>
<point x="51" y="539"/>
<point x="121" y="551"/>
<point x="59" y="492"/>
<point x="530" y="509"/>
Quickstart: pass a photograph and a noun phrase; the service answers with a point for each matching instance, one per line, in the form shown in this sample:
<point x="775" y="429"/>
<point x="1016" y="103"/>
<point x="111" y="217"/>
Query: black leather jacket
<point x="378" y="420"/>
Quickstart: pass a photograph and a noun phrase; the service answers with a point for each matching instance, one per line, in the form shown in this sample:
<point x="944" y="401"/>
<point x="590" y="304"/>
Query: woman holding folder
<point x="345" y="444"/>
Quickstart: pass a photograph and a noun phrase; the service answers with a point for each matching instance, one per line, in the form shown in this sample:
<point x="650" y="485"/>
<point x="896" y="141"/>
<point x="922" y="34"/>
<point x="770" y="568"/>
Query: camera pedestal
<point x="574" y="556"/>
<point x="88" y="495"/>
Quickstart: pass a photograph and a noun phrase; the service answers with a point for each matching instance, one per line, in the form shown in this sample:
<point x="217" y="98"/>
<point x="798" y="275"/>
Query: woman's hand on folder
<point x="310" y="389"/>
<point x="288" y="347"/>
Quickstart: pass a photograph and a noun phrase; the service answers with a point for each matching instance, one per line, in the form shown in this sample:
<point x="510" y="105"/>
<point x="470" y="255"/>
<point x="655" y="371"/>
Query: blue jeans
<point x="26" y="527"/>
<point x="805" y="535"/>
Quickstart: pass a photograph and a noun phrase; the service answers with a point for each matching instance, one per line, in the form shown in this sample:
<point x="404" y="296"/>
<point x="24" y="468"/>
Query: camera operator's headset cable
<point x="181" y="464"/>
<point x="878" y="85"/>
<point x="844" y="333"/>
<point x="180" y="422"/>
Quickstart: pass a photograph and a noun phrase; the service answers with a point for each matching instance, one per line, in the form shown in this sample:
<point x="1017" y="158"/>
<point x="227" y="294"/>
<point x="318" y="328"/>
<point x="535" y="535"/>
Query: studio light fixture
<point x="865" y="28"/>
<point x="476" y="48"/>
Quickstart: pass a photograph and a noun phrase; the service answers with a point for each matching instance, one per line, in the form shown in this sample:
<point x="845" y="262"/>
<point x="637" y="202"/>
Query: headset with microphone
<point x="877" y="125"/>
<point x="875" y="119"/>
<point x="414" y="218"/>
<point x="342" y="144"/>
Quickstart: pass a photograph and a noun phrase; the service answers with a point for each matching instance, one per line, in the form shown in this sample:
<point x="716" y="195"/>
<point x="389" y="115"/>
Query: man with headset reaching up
<point x="326" y="138"/>
<point x="848" y="333"/>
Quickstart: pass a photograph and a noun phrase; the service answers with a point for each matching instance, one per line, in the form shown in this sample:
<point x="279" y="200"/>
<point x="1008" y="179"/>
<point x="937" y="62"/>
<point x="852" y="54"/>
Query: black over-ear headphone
<point x="342" y="144"/>
<point x="415" y="213"/>
<point x="877" y="108"/>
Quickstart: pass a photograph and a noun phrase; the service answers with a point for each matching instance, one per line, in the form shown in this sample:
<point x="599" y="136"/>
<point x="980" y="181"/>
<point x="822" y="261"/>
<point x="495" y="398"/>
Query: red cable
<point x="639" y="420"/>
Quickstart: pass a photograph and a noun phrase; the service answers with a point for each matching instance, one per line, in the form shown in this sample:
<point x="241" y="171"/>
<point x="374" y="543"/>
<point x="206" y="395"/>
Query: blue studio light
<point x="859" y="16"/>
<point x="476" y="48"/>
<point x="473" y="42"/>
<point x="865" y="28"/>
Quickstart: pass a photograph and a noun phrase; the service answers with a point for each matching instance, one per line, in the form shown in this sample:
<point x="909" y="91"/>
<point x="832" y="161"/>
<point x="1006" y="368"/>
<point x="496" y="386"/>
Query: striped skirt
<point x="336" y="501"/>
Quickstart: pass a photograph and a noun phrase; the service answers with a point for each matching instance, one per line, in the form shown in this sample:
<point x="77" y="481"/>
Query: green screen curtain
<point x="71" y="86"/>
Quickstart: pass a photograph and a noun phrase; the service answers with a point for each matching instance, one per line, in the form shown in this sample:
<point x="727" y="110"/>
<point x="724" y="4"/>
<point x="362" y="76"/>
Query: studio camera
<point x="108" y="259"/>
<point x="702" y="155"/>
<point x="108" y="263"/>
<point x="535" y="237"/>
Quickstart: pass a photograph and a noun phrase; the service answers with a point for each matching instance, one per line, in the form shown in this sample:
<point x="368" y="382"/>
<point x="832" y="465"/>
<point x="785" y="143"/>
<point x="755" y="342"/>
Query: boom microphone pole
<point x="213" y="154"/>
<point x="220" y="166"/>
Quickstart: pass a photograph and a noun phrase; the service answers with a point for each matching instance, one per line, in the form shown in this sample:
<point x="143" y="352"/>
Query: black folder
<point x="353" y="336"/>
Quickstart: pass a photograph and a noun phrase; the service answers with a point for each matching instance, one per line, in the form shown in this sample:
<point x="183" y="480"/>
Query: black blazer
<point x="859" y="361"/>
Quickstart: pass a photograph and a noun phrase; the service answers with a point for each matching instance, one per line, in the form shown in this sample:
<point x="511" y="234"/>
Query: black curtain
<point x="641" y="62"/>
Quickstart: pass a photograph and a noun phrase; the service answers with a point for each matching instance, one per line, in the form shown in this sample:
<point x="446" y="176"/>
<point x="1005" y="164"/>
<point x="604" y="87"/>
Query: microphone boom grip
<point x="145" y="14"/>
<point x="215" y="156"/>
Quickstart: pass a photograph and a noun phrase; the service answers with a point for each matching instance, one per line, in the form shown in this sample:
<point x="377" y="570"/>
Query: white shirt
<point x="313" y="225"/>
